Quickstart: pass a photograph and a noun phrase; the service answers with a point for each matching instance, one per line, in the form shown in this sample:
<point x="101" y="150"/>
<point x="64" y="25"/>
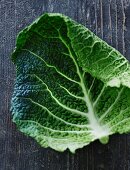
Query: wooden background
<point x="110" y="20"/>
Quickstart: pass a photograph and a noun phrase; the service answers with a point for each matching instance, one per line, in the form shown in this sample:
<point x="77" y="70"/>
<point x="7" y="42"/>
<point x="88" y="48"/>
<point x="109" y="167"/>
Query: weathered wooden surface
<point x="109" y="19"/>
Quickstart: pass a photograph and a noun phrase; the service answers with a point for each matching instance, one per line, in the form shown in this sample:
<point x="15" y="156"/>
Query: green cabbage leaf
<point x="71" y="87"/>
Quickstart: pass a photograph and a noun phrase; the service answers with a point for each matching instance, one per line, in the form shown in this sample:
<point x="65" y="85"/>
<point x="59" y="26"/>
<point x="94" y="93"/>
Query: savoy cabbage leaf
<point x="71" y="87"/>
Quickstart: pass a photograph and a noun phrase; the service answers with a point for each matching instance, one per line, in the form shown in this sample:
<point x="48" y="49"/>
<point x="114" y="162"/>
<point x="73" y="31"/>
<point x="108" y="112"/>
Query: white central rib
<point x="96" y="129"/>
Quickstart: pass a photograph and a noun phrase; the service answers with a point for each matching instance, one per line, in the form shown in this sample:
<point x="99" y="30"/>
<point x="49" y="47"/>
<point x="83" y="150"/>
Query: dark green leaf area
<point x="39" y="73"/>
<point x="35" y="86"/>
<point x="47" y="53"/>
<point x="45" y="117"/>
<point x="34" y="97"/>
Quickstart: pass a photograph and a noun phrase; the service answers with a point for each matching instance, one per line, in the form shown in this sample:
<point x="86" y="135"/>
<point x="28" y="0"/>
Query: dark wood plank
<point x="110" y="20"/>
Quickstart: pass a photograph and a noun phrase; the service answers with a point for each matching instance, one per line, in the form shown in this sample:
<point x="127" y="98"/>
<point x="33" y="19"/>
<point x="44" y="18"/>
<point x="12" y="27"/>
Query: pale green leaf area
<point x="71" y="88"/>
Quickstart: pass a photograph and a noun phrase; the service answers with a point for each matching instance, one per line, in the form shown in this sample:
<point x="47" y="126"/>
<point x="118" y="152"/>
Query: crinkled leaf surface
<point x="71" y="87"/>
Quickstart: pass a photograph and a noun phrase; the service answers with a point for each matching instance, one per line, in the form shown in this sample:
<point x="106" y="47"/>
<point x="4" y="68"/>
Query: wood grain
<point x="110" y="20"/>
